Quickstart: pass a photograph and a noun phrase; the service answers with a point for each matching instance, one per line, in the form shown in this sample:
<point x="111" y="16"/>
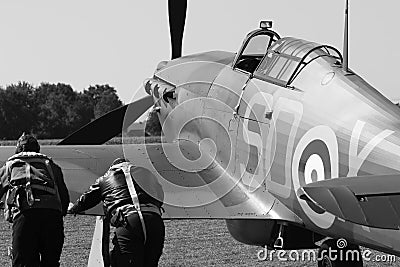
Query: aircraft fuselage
<point x="274" y="139"/>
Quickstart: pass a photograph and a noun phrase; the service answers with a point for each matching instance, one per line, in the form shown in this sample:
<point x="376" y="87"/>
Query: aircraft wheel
<point x="330" y="255"/>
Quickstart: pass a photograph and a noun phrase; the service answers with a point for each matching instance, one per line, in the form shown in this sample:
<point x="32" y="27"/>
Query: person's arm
<point x="62" y="188"/>
<point x="89" y="199"/>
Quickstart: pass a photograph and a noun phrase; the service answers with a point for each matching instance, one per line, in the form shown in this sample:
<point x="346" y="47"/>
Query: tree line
<point x="51" y="110"/>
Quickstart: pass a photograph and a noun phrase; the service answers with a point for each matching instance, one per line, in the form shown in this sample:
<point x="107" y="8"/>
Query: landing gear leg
<point x="337" y="253"/>
<point x="278" y="244"/>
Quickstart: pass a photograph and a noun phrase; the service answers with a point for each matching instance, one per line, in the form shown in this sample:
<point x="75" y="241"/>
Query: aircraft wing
<point x="204" y="190"/>
<point x="372" y="201"/>
<point x="199" y="189"/>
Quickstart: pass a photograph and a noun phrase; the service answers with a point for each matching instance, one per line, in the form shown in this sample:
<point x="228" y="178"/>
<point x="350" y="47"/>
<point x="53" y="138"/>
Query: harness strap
<point x="53" y="177"/>
<point x="150" y="208"/>
<point x="8" y="163"/>
<point x="44" y="188"/>
<point x="129" y="209"/>
<point x="50" y="170"/>
<point x="126" y="169"/>
<point x="29" y="194"/>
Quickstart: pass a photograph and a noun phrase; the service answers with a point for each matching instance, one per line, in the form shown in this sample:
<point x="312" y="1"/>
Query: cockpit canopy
<point x="266" y="56"/>
<point x="254" y="48"/>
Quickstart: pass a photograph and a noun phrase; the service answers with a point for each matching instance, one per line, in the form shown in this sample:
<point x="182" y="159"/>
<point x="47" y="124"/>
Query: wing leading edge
<point x="202" y="190"/>
<point x="372" y="201"/>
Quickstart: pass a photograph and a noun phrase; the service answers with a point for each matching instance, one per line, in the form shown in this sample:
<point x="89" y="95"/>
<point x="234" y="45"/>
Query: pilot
<point x="132" y="198"/>
<point x="36" y="201"/>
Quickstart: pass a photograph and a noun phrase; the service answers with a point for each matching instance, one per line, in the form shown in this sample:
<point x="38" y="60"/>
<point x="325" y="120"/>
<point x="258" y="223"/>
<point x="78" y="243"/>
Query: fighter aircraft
<point x="281" y="139"/>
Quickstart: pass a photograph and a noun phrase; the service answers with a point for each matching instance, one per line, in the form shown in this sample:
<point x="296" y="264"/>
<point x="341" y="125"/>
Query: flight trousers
<point x="129" y="246"/>
<point x="37" y="238"/>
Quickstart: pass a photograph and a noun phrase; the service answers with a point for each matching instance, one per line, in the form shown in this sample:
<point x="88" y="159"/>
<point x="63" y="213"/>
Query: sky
<point x="120" y="43"/>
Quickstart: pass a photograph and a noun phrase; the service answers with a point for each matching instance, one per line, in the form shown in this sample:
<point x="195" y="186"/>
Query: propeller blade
<point x="177" y="16"/>
<point x="109" y="125"/>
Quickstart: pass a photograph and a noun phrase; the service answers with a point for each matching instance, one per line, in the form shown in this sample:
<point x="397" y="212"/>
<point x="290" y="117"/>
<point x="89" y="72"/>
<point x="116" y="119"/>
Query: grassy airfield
<point x="187" y="243"/>
<point x="198" y="243"/>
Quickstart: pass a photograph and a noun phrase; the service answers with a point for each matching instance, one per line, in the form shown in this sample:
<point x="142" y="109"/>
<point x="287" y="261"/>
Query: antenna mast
<point x="346" y="38"/>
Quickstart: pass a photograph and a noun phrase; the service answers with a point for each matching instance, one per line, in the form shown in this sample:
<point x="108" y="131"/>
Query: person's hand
<point x="71" y="208"/>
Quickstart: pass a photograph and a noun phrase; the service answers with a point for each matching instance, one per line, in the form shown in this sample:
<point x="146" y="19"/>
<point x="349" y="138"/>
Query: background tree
<point x="153" y="126"/>
<point x="51" y="110"/>
<point x="61" y="110"/>
<point x="3" y="126"/>
<point x="17" y="112"/>
<point x="103" y="99"/>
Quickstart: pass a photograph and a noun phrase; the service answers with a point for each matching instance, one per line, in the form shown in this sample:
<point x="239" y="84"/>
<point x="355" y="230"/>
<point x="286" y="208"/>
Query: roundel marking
<point x="315" y="162"/>
<point x="316" y="158"/>
<point x="314" y="169"/>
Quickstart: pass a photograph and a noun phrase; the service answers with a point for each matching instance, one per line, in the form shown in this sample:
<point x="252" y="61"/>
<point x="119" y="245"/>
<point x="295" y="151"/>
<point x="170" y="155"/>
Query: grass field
<point x="188" y="243"/>
<point x="198" y="243"/>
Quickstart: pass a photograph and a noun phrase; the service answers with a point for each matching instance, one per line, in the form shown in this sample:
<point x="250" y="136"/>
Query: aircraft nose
<point x="147" y="84"/>
<point x="158" y="89"/>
